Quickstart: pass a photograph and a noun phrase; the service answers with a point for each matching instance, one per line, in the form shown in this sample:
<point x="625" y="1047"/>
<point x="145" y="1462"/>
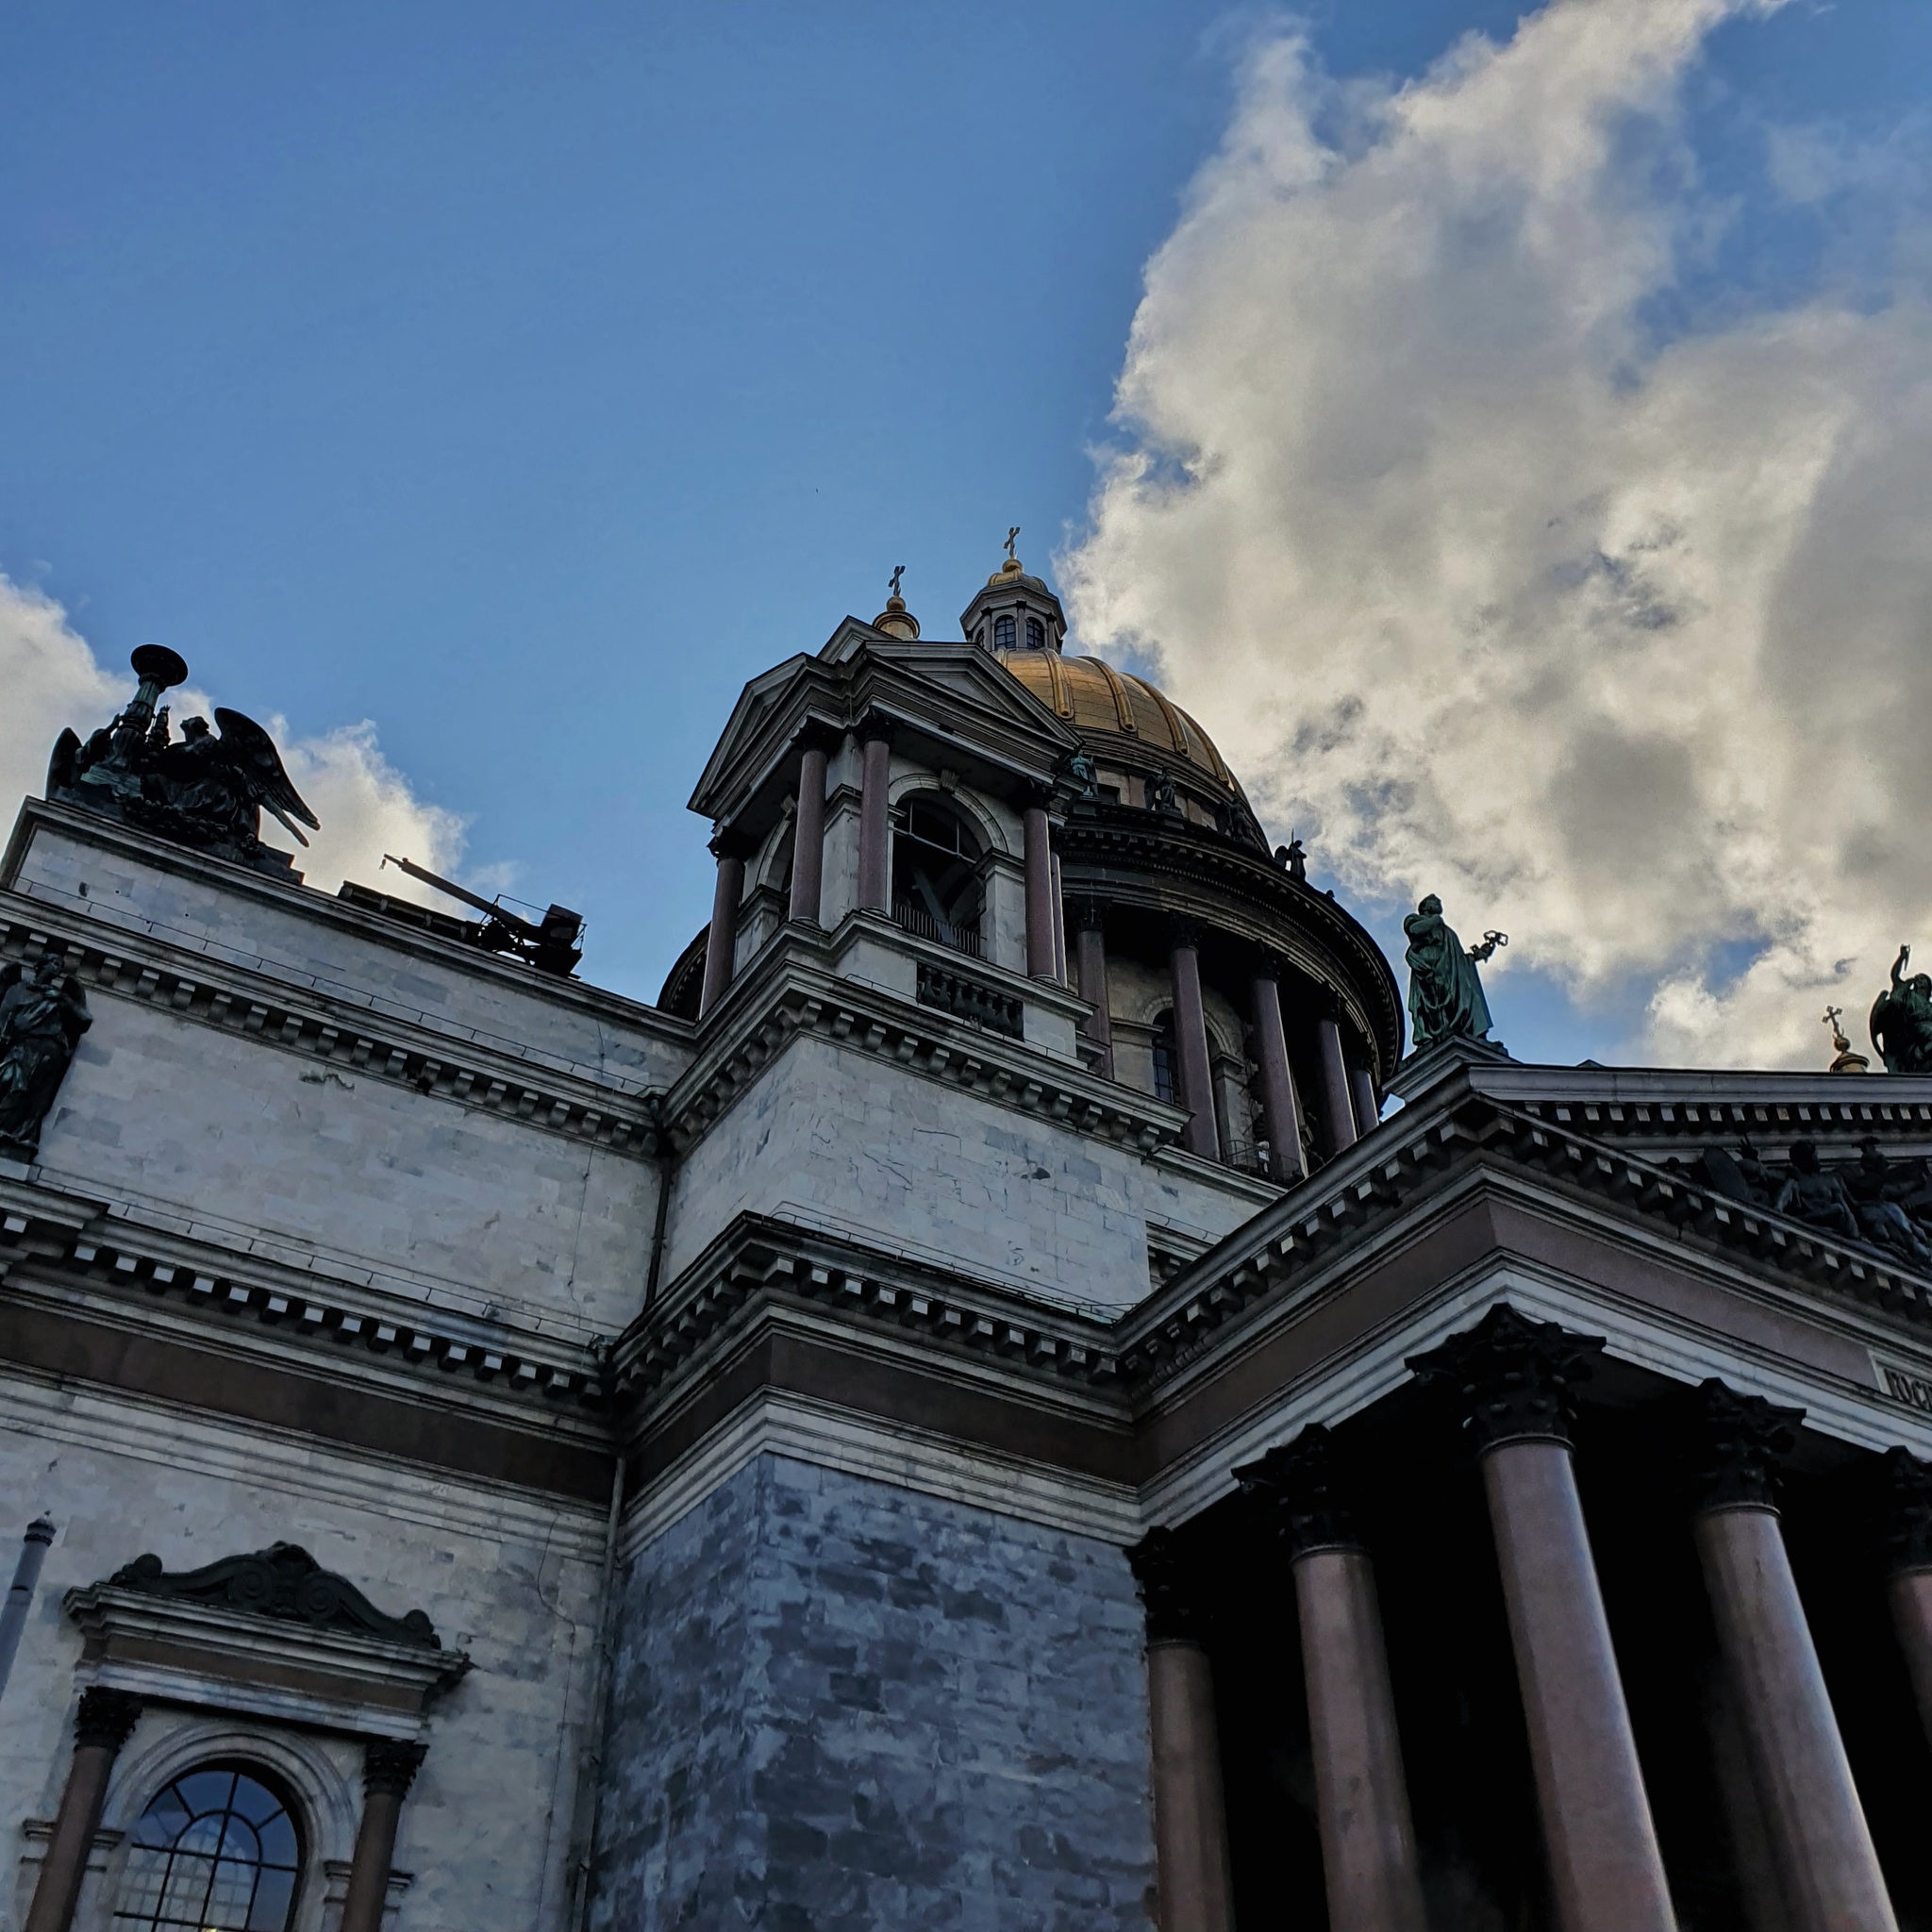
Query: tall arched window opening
<point x="936" y="882"/>
<point x="216" y="1851"/>
<point x="1003" y="633"/>
<point x="1166" y="1084"/>
<point x="1036" y="635"/>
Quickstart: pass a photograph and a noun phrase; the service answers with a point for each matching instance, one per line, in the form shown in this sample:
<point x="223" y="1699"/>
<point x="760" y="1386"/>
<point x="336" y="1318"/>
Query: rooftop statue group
<point x="203" y="789"/>
<point x="1884" y="1204"/>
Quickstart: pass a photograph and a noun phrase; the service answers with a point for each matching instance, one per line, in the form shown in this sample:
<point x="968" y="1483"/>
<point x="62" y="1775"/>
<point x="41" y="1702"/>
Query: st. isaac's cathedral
<point x="975" y="1410"/>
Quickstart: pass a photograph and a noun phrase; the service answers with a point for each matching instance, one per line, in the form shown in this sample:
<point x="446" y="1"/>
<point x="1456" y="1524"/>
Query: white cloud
<point x="366" y="806"/>
<point x="1619" y="646"/>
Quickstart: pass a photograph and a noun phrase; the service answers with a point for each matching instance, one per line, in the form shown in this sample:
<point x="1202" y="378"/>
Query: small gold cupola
<point x="1014" y="612"/>
<point x="895" y="620"/>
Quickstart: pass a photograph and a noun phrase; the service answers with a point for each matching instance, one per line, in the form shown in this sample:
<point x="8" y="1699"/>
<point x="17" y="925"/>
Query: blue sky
<point x="525" y="379"/>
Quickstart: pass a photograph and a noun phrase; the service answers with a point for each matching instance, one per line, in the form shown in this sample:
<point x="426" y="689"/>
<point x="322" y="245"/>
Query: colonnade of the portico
<point x="1509" y="1383"/>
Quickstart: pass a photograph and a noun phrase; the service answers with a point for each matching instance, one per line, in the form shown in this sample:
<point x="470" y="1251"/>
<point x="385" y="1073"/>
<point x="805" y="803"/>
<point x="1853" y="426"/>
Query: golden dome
<point x="1123" y="718"/>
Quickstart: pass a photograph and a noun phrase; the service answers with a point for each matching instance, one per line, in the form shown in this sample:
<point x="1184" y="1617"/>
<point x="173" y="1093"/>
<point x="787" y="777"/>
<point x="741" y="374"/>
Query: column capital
<point x="1513" y="1379"/>
<point x="1165" y="1569"/>
<point x="1182" y="930"/>
<point x="728" y="842"/>
<point x="391" y="1764"/>
<point x="816" y="734"/>
<point x="1906" y="1488"/>
<point x="876" y="727"/>
<point x="1737" y="1443"/>
<point x="106" y="1718"/>
<point x="1295" y="1484"/>
<point x="1090" y="915"/>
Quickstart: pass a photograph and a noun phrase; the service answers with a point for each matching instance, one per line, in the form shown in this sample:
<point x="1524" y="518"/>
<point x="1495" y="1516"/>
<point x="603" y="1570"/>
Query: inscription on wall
<point x="1907" y="1386"/>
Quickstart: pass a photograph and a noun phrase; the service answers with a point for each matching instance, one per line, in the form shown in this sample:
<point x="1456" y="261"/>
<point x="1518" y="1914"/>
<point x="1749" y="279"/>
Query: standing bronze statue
<point x="1445" y="996"/>
<point x="42" y="1014"/>
<point x="1901" y="1022"/>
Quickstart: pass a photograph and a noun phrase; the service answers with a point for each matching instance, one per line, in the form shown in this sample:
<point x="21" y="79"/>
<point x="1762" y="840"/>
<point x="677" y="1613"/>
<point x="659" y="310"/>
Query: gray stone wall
<point x="840" y="1706"/>
<point x="836" y="1140"/>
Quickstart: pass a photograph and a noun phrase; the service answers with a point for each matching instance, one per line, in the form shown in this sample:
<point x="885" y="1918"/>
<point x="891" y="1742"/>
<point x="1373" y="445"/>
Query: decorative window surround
<point x="178" y="1640"/>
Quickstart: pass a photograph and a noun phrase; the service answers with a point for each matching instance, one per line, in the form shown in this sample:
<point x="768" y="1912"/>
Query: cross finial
<point x="897" y="574"/>
<point x="1012" y="537"/>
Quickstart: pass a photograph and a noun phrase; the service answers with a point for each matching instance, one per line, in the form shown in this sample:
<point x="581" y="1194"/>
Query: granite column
<point x="1820" y="1843"/>
<point x="389" y="1769"/>
<point x="1194" y="1880"/>
<point x="875" y="820"/>
<point x="1191" y="1047"/>
<point x="1512" y="1381"/>
<point x="1040" y="909"/>
<point x="1908" y="1569"/>
<point x="104" y="1722"/>
<point x="1280" y="1112"/>
<point x="1369" y="1863"/>
<point x="1338" y="1103"/>
<point x="1091" y="956"/>
<point x="809" y="836"/>
<point x="722" y="946"/>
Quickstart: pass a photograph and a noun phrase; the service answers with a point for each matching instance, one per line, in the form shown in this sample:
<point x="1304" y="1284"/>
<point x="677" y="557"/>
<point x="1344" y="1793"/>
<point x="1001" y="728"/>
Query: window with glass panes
<point x="215" y="1851"/>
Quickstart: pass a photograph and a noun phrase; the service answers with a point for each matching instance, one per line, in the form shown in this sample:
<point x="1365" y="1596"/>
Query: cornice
<point x="56" y="1249"/>
<point x="1323" y="1230"/>
<point x="788" y="994"/>
<point x="762" y="1264"/>
<point x="290" y="897"/>
<point x="336" y="1033"/>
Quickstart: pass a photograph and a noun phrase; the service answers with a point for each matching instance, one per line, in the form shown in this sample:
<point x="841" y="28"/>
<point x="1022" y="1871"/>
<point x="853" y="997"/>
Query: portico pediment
<point x="958" y="702"/>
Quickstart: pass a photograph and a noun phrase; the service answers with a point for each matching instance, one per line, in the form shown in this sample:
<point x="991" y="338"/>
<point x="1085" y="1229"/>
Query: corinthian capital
<point x="1738" y="1445"/>
<point x="1295" y="1487"/>
<point x="1512" y="1379"/>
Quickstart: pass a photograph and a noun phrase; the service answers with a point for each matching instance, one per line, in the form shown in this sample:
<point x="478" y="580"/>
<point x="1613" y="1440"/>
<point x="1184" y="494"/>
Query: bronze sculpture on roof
<point x="1901" y="1022"/>
<point x="1445" y="994"/>
<point x="202" y="790"/>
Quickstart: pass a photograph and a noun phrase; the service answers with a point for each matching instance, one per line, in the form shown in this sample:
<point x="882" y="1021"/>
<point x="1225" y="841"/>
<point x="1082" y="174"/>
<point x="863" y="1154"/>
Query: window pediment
<point x="272" y="1634"/>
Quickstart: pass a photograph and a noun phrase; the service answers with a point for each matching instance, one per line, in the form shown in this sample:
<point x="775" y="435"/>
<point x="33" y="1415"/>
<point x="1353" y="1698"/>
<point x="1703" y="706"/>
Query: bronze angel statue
<point x="1901" y="1022"/>
<point x="203" y="789"/>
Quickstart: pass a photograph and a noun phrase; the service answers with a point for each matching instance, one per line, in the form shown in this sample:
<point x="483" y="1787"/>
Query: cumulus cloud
<point x="366" y="806"/>
<point x="1617" y="638"/>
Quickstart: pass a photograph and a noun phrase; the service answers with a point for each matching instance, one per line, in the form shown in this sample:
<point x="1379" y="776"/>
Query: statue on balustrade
<point x="1445" y="996"/>
<point x="1901" y="1022"/>
<point x="42" y="1014"/>
<point x="203" y="789"/>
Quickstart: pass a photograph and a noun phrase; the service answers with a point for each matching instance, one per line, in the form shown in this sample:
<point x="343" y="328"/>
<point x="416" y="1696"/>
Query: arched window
<point x="935" y="873"/>
<point x="1003" y="633"/>
<point x="215" y="1851"/>
<point x="1166" y="1084"/>
<point x="1036" y="635"/>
